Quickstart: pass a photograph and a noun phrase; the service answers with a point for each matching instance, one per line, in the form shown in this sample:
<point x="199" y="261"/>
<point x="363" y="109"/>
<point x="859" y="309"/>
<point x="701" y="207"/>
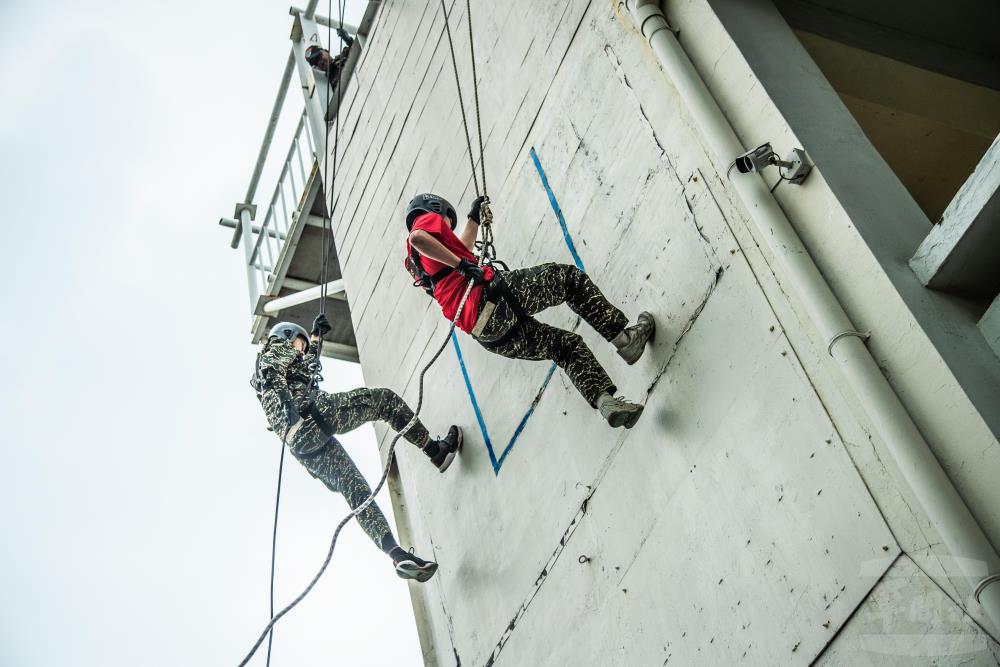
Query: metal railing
<point x="287" y="203"/>
<point x="263" y="243"/>
<point x="269" y="239"/>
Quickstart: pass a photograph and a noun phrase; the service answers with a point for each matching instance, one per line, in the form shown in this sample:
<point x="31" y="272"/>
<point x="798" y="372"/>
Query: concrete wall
<point x="749" y="516"/>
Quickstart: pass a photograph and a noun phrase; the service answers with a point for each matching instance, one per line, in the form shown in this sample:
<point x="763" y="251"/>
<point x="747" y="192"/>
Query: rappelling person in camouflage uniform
<point x="500" y="307"/>
<point x="308" y="418"/>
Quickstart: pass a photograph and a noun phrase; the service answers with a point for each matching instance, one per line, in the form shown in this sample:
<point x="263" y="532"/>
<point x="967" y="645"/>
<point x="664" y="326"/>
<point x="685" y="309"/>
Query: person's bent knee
<point x="565" y="346"/>
<point x="384" y="394"/>
<point x="574" y="275"/>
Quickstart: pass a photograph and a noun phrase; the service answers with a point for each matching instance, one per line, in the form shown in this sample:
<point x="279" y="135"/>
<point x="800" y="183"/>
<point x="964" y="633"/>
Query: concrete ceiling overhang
<point x="958" y="38"/>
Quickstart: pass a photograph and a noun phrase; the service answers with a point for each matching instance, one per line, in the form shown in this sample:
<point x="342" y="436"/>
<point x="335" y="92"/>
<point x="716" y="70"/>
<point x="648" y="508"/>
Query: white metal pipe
<point x="234" y="224"/>
<point x="326" y="21"/>
<point x="333" y="288"/>
<point x="937" y="495"/>
<point x="244" y="212"/>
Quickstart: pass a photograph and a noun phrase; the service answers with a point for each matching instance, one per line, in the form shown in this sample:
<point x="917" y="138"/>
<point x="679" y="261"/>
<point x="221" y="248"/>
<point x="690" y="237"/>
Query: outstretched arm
<point x="430" y="247"/>
<point x="469" y="234"/>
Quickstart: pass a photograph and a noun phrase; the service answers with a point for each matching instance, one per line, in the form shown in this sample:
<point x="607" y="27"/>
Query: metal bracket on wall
<point x="863" y="335"/>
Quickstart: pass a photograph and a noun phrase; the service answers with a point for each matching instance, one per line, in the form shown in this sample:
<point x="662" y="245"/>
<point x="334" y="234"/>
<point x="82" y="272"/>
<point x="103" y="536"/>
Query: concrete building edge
<point x="899" y="429"/>
<point x="422" y="616"/>
<point x="890" y="251"/>
<point x="838" y="639"/>
<point x="419" y="593"/>
<point x="836" y="382"/>
<point x="418" y="597"/>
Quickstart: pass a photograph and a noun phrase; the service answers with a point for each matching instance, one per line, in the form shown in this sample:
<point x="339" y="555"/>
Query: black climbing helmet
<point x="429" y="203"/>
<point x="288" y="331"/>
<point x="313" y="53"/>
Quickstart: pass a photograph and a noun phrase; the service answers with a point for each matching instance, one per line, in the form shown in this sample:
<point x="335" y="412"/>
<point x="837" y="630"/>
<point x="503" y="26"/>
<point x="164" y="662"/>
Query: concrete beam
<point x="326" y="21"/>
<point x="961" y="253"/>
<point x="340" y="351"/>
<point x="990" y="326"/>
<point x="314" y="221"/>
<point x="930" y="35"/>
<point x="920" y="92"/>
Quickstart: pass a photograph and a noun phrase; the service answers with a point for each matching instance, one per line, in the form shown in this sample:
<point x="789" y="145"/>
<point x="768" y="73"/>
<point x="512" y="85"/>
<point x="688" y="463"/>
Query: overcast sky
<point x="137" y="483"/>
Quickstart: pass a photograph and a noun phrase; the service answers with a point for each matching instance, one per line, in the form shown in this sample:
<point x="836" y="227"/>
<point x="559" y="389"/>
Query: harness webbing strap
<point x="499" y="287"/>
<point x="496" y="290"/>
<point x="441" y="275"/>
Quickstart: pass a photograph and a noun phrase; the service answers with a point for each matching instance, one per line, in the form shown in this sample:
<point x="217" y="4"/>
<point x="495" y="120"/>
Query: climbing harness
<point x="420" y="276"/>
<point x="487" y="253"/>
<point x="496" y="290"/>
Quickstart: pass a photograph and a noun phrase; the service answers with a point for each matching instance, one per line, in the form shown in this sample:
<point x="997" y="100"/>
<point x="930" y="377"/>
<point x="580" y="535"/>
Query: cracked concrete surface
<point x="730" y="525"/>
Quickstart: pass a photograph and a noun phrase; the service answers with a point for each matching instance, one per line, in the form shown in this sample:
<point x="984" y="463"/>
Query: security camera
<point x="795" y="166"/>
<point x="755" y="160"/>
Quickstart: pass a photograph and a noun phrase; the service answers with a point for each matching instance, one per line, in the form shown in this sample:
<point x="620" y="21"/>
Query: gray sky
<point x="137" y="482"/>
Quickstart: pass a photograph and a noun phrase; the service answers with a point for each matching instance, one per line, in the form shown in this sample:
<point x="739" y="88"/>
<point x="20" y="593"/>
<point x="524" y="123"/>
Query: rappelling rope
<point x="486" y="247"/>
<point x="274" y="536"/>
<point x="317" y="367"/>
<point x="475" y="93"/>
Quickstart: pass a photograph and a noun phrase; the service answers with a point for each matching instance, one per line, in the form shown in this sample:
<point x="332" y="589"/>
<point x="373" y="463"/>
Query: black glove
<point x="344" y="36"/>
<point x="471" y="270"/>
<point x="288" y="405"/>
<point x="321" y="326"/>
<point x="477" y="206"/>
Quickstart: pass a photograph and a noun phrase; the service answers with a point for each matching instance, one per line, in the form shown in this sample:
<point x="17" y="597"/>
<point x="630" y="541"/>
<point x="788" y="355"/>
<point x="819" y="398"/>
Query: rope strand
<point x="475" y="93"/>
<point x="317" y="367"/>
<point x="487" y="253"/>
<point x="461" y="102"/>
<point x="274" y="541"/>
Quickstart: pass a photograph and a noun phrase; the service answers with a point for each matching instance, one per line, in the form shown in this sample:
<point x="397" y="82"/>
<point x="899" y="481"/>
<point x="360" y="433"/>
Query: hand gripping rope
<point x="486" y="253"/>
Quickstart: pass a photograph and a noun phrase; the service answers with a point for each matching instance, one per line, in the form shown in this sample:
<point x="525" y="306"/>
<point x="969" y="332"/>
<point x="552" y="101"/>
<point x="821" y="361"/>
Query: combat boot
<point x="619" y="412"/>
<point x="632" y="341"/>
<point x="446" y="449"/>
<point x="411" y="566"/>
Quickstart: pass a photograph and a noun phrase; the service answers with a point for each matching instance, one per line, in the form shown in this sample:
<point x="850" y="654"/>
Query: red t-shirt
<point x="449" y="290"/>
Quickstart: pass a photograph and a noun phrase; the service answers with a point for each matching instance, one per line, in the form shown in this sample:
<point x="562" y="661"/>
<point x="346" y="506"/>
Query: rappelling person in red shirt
<point x="500" y="307"/>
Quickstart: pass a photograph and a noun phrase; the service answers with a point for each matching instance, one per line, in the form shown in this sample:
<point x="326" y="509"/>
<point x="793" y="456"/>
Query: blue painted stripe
<point x="524" y="420"/>
<point x="494" y="461"/>
<point x="475" y="405"/>
<point x="558" y="211"/>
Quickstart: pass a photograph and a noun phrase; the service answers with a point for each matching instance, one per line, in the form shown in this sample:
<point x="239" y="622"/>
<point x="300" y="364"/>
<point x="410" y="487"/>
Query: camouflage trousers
<point x="333" y="466"/>
<point x="541" y="287"/>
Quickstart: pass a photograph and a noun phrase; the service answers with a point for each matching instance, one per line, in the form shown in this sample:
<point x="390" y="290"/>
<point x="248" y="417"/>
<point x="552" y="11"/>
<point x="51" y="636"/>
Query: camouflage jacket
<point x="281" y="366"/>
